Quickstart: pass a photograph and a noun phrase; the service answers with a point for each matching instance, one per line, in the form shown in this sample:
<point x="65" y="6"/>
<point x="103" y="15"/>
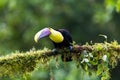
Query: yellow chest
<point x="56" y="36"/>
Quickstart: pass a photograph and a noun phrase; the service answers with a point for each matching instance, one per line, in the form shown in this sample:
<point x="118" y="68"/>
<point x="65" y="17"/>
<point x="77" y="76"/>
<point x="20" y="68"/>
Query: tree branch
<point x="90" y="57"/>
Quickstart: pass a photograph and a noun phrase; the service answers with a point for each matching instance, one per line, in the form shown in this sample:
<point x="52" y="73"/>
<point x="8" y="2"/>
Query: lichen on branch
<point x="19" y="63"/>
<point x="99" y="58"/>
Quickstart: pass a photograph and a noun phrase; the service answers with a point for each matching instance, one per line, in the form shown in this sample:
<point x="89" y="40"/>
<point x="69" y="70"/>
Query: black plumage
<point x="67" y="42"/>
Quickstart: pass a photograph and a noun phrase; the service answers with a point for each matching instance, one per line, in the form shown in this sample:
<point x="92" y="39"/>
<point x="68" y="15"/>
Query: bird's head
<point x="54" y="35"/>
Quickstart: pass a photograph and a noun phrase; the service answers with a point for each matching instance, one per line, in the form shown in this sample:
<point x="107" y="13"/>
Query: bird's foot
<point x="70" y="48"/>
<point x="54" y="51"/>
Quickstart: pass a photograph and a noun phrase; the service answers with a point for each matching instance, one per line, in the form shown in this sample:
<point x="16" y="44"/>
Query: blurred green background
<point x="85" y="19"/>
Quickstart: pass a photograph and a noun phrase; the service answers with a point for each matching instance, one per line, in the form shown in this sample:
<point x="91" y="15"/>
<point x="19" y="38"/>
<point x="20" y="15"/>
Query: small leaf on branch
<point x="98" y="58"/>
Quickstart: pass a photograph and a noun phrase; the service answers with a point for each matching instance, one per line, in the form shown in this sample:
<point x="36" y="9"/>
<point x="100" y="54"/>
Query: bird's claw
<point x="70" y="48"/>
<point x="54" y="51"/>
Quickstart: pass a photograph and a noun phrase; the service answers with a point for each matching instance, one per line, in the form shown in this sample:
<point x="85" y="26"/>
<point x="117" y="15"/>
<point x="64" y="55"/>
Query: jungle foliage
<point x="85" y="19"/>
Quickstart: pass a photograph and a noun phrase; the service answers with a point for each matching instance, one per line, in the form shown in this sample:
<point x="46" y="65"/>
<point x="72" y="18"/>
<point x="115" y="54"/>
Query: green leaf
<point x="99" y="69"/>
<point x="3" y="3"/>
<point x="118" y="6"/>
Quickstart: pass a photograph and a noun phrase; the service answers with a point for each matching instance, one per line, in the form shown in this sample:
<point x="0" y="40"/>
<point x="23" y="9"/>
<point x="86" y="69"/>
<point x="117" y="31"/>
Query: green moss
<point x="97" y="58"/>
<point x="105" y="58"/>
<point x="20" y="63"/>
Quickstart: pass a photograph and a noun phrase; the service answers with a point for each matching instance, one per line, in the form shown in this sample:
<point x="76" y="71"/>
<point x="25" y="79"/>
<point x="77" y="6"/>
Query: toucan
<point x="61" y="38"/>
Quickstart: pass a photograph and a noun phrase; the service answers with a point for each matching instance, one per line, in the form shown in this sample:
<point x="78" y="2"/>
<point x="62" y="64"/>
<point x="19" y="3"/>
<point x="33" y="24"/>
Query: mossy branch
<point x="98" y="57"/>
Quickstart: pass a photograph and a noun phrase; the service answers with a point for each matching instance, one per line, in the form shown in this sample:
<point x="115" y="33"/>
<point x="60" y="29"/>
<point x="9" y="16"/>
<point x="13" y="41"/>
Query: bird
<point x="61" y="38"/>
